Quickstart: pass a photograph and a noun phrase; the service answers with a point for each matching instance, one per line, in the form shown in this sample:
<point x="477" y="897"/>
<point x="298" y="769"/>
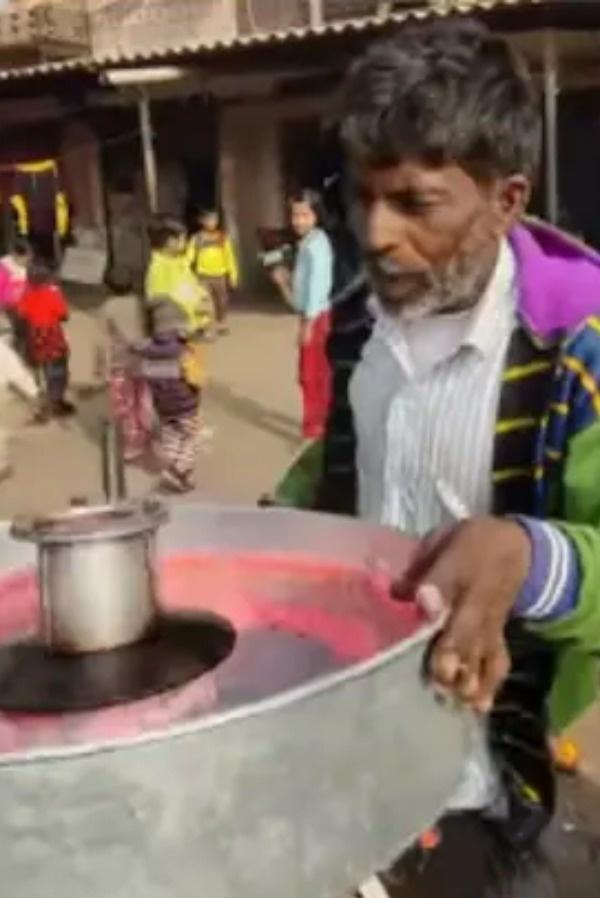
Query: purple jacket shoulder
<point x="559" y="278"/>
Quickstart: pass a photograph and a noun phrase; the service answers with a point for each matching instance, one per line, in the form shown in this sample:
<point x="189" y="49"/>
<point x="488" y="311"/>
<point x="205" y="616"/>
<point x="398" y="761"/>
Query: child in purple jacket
<point x="172" y="368"/>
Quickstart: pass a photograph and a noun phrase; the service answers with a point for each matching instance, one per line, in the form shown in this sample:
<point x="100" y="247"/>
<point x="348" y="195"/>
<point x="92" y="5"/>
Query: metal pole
<point x="315" y="8"/>
<point x="551" y="92"/>
<point x="148" y="152"/>
<point x="114" y="485"/>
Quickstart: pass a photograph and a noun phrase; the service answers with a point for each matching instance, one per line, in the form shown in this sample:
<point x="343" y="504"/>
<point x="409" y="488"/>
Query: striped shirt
<point x="425" y="401"/>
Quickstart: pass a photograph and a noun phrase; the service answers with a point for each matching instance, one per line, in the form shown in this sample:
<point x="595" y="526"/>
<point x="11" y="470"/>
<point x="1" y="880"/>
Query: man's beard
<point x="456" y="288"/>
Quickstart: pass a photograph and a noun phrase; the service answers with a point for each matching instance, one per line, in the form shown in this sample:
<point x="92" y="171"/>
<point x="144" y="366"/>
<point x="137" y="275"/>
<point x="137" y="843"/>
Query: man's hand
<point x="474" y="572"/>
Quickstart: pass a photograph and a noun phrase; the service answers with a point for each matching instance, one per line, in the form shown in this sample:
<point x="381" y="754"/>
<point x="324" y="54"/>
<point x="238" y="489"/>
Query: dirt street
<point x="252" y="410"/>
<point x="251" y="407"/>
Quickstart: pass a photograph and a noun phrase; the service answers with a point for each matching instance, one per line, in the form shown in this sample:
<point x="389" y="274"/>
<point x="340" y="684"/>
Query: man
<point x="467" y="410"/>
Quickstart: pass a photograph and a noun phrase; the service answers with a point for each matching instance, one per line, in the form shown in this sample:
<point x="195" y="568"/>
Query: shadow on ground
<point x="92" y="411"/>
<point x="265" y="304"/>
<point x="243" y="408"/>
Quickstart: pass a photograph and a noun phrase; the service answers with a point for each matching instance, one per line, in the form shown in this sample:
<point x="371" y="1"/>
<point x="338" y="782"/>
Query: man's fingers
<point x="473" y="672"/>
<point x="495" y="669"/>
<point x="469" y="686"/>
<point x="470" y="625"/>
<point x="445" y="665"/>
<point x="477" y="568"/>
<point x="458" y="656"/>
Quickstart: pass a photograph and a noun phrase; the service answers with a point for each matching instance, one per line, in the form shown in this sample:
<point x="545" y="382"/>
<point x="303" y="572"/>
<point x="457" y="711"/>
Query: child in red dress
<point x="43" y="310"/>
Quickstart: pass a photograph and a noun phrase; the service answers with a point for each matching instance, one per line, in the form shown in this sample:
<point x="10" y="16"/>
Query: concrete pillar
<point x="82" y="175"/>
<point x="251" y="179"/>
<point x="148" y="153"/>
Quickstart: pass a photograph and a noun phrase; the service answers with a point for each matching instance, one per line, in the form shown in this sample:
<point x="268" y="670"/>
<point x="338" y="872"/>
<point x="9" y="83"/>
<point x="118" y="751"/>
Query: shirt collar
<point x="481" y="331"/>
<point x="497" y="302"/>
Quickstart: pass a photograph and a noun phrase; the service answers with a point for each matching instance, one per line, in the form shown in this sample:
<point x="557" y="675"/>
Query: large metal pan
<point x="299" y="794"/>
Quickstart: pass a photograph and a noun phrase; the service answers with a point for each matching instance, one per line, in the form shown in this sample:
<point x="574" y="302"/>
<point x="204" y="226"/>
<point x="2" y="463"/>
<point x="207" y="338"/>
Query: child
<point x="169" y="276"/>
<point x="213" y="260"/>
<point x="171" y="365"/>
<point x="43" y="310"/>
<point x="129" y="395"/>
<point x="13" y="280"/>
<point x="309" y="291"/>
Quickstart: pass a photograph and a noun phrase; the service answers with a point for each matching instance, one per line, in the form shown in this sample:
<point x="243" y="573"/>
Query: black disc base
<point x="180" y="649"/>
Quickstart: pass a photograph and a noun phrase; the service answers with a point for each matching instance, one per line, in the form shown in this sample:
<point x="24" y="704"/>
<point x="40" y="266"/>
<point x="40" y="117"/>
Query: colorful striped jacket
<point x="546" y="465"/>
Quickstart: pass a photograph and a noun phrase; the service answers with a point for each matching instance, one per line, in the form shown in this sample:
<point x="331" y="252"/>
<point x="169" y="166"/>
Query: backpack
<point x="192" y="366"/>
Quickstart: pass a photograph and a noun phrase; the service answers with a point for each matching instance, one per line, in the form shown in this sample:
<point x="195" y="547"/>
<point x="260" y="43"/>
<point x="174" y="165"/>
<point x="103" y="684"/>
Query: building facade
<point x="129" y="27"/>
<point x="32" y="31"/>
<point x="246" y="113"/>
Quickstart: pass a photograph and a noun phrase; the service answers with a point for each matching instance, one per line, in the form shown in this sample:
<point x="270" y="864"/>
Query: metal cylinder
<point x="96" y="575"/>
<point x="114" y="484"/>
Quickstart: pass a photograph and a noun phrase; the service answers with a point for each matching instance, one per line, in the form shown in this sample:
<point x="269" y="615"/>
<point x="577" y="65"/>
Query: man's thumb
<point x="430" y="549"/>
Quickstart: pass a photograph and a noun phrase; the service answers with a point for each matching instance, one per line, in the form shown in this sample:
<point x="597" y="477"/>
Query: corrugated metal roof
<point x="257" y="39"/>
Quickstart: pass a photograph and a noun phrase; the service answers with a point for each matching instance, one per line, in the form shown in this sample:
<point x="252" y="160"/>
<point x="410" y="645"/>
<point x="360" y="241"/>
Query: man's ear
<point x="513" y="198"/>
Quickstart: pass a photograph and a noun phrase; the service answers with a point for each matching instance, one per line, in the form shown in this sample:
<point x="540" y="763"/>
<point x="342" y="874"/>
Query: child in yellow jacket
<point x="213" y="261"/>
<point x="169" y="276"/>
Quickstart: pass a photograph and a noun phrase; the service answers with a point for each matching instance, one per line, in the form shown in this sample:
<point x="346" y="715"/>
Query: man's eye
<point x="413" y="205"/>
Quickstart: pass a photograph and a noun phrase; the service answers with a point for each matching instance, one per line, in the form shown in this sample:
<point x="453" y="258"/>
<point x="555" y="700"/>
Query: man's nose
<point x="384" y="230"/>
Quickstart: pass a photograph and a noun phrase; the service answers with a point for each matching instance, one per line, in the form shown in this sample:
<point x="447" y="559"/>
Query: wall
<point x="80" y="165"/>
<point x="250" y="176"/>
<point x="134" y="26"/>
<point x="34" y="30"/>
<point x="348" y="9"/>
<point x="253" y="189"/>
<point x="270" y="15"/>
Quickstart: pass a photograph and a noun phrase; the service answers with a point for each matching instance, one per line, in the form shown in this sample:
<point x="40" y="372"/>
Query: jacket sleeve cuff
<point x="551" y="590"/>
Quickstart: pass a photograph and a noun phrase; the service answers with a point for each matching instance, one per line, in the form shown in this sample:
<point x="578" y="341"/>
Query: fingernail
<point x="448" y="666"/>
<point x="484" y="706"/>
<point x="470" y="688"/>
<point x="430" y="600"/>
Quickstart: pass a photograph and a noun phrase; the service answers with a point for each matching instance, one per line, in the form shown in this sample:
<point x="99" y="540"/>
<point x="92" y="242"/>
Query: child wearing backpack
<point x="171" y="365"/>
<point x="213" y="261"/>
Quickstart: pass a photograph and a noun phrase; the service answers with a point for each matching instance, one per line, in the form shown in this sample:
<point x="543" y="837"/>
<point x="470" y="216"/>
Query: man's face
<point x="303" y="219"/>
<point x="431" y="235"/>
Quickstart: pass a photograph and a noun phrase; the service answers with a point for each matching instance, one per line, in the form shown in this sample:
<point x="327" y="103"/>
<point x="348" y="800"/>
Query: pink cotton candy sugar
<point x="296" y="618"/>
